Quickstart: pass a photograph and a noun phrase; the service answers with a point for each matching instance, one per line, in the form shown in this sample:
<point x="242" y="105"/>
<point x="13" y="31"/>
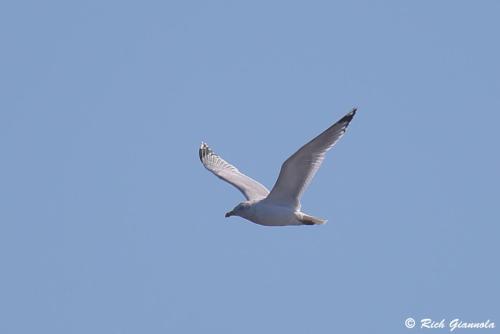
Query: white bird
<point x="281" y="206"/>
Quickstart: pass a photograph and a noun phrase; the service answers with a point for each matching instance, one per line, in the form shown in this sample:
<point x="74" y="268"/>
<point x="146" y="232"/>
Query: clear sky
<point x="110" y="224"/>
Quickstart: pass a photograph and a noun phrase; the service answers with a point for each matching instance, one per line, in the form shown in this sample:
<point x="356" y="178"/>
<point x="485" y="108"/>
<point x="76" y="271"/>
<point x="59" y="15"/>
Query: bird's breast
<point x="272" y="215"/>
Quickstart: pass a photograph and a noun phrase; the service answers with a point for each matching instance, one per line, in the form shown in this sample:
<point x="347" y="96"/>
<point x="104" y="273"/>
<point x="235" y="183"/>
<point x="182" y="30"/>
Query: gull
<point x="281" y="206"/>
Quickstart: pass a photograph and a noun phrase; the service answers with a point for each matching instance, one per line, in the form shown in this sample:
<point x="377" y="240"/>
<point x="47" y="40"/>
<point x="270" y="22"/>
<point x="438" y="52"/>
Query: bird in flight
<point x="281" y="206"/>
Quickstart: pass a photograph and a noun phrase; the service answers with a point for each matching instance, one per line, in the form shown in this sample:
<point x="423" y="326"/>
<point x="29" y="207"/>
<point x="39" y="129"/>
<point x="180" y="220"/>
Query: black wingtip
<point x="202" y="150"/>
<point x="348" y="117"/>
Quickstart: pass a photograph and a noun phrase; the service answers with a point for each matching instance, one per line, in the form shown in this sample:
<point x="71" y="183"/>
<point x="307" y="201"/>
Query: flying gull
<point x="281" y="206"/>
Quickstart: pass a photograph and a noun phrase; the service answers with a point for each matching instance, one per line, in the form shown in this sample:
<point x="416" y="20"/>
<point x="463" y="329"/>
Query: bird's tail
<point x="310" y="220"/>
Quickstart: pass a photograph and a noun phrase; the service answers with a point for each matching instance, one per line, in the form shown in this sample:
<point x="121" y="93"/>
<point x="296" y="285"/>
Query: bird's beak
<point x="229" y="214"/>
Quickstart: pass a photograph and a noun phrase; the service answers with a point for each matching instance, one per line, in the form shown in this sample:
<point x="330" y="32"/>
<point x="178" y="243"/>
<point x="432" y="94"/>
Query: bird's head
<point x="241" y="210"/>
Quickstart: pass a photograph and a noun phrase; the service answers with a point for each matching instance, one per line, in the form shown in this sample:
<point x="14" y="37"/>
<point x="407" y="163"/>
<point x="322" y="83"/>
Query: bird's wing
<point x="250" y="188"/>
<point x="299" y="169"/>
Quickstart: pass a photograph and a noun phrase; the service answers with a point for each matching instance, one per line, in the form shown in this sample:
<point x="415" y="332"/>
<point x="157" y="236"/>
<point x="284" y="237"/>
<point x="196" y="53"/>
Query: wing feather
<point x="250" y="188"/>
<point x="298" y="170"/>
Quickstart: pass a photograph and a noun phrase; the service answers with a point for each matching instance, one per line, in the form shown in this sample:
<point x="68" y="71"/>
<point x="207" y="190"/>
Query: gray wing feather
<point x="250" y="188"/>
<point x="298" y="170"/>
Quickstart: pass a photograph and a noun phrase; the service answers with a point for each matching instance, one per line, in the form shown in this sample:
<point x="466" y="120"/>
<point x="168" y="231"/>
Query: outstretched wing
<point x="298" y="170"/>
<point x="250" y="188"/>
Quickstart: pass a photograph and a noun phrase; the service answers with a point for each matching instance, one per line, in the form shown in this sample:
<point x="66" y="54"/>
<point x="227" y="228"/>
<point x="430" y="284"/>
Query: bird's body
<point x="281" y="205"/>
<point x="264" y="212"/>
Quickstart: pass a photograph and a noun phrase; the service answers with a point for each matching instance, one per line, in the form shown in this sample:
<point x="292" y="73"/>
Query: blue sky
<point x="109" y="223"/>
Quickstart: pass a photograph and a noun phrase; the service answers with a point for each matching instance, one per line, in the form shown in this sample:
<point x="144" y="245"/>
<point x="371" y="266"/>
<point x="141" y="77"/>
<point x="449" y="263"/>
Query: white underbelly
<point x="274" y="215"/>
